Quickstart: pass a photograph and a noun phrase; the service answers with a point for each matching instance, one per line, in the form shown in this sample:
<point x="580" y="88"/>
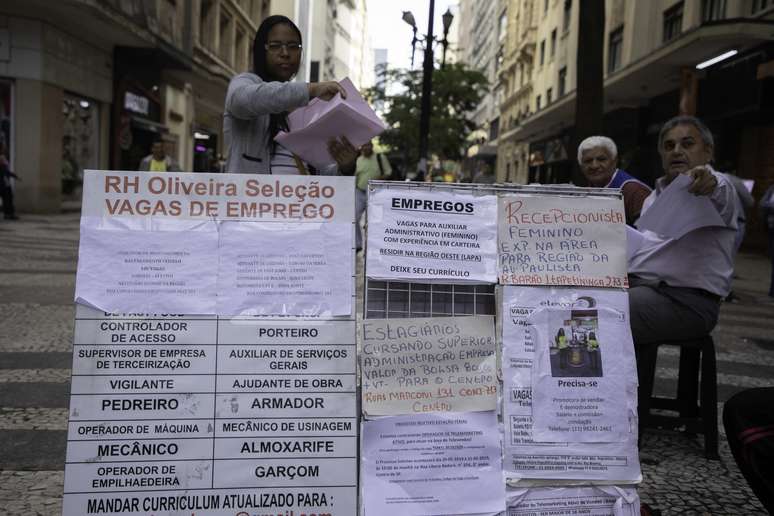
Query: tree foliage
<point x="457" y="90"/>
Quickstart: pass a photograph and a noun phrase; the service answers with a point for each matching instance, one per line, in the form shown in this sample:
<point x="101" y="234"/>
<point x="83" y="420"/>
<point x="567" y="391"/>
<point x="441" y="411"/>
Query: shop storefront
<point x="205" y="158"/>
<point x="80" y="142"/>
<point x="138" y="126"/>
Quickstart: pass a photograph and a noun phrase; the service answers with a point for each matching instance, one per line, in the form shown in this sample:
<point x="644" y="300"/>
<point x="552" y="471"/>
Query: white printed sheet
<point x="561" y="240"/>
<point x="432" y="464"/>
<point x="578" y="374"/>
<point x="574" y="501"/>
<point x="526" y="458"/>
<point x="435" y="235"/>
<point x="285" y="269"/>
<point x="438" y="364"/>
<point x="226" y="244"/>
<point x="162" y="270"/>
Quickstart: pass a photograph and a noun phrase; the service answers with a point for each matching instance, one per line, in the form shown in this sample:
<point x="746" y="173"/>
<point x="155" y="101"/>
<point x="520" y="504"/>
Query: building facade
<point x="336" y="42"/>
<point x="90" y="84"/>
<point x="652" y="49"/>
<point x="87" y="84"/>
<point x="482" y="35"/>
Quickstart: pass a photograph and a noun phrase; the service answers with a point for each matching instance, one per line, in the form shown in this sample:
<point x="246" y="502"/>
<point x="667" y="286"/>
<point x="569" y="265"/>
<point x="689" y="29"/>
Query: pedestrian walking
<point x="7" y="178"/>
<point x="158" y="160"/>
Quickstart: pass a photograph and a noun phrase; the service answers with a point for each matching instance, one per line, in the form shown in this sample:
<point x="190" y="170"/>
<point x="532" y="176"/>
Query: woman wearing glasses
<point x="257" y="105"/>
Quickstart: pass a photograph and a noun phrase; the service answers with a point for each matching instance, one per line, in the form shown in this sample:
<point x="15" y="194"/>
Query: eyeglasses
<point x="276" y="47"/>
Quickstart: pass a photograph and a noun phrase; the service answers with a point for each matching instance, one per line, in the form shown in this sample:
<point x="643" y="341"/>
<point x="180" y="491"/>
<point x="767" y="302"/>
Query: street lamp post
<point x="427" y="74"/>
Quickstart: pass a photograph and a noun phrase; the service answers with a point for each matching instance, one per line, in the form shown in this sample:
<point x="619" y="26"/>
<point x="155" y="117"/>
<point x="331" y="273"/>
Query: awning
<point x="149" y="125"/>
<point x="482" y="151"/>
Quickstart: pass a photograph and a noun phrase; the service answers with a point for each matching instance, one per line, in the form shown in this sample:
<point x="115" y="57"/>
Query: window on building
<point x="673" y="22"/>
<point x="240" y="51"/>
<point x="713" y="10"/>
<point x="538" y="103"/>
<point x="542" y="52"/>
<point x="494" y="129"/>
<point x="80" y="141"/>
<point x="562" y="81"/>
<point x="545" y="6"/>
<point x="502" y="26"/>
<point x="226" y="49"/>
<point x="567" y="15"/>
<point x="553" y="43"/>
<point x="614" y="50"/>
<point x="759" y="5"/>
<point x="549" y="95"/>
<point x="206" y="25"/>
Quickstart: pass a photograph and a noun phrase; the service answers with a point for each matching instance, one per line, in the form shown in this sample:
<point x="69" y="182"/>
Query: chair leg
<point x="709" y="399"/>
<point x="688" y="381"/>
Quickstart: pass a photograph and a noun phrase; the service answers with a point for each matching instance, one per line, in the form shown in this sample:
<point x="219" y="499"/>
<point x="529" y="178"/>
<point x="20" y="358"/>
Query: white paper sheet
<point x="433" y="235"/>
<point x="574" y="501"/>
<point x="578" y="374"/>
<point x="298" y="269"/>
<point x="122" y="270"/>
<point x="432" y="464"/>
<point x="525" y="458"/>
<point x="561" y="240"/>
<point x="158" y="242"/>
<point x="314" y="125"/>
<point x="676" y="211"/>
<point x="438" y="364"/>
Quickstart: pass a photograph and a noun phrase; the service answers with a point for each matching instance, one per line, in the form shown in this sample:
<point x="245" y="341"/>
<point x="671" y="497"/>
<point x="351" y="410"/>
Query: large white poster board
<point x="174" y="413"/>
<point x="561" y="240"/>
<point x="438" y="235"/>
<point x="226" y="244"/>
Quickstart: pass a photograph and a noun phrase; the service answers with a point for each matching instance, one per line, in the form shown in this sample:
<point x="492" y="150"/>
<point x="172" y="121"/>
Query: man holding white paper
<point x="684" y="265"/>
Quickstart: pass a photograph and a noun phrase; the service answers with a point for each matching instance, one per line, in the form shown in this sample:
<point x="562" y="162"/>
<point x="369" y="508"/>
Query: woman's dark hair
<point x="277" y="121"/>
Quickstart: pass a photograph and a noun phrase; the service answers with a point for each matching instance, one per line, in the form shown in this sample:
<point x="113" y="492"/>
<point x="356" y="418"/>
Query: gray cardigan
<point x="249" y="102"/>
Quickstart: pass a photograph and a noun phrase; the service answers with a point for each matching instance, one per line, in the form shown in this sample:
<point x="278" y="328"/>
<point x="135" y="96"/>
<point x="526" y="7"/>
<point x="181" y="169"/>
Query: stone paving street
<point x="37" y="275"/>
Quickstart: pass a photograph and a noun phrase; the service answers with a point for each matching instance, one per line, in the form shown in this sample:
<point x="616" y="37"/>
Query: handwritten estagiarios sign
<point x="568" y="240"/>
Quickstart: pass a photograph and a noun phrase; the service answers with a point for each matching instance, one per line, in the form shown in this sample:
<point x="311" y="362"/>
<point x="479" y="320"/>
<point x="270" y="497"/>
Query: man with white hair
<point x="598" y="160"/>
<point x="676" y="284"/>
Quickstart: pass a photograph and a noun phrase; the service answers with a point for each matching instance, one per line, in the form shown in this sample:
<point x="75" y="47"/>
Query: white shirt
<point x="283" y="163"/>
<point x="702" y="258"/>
